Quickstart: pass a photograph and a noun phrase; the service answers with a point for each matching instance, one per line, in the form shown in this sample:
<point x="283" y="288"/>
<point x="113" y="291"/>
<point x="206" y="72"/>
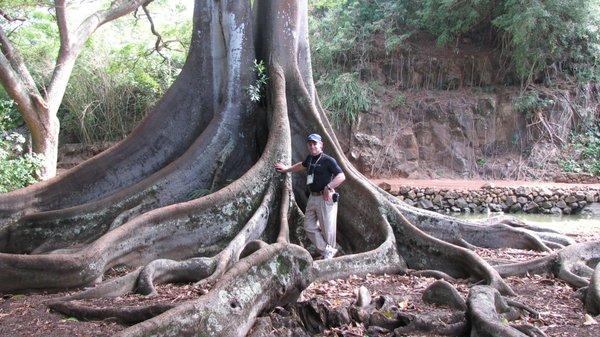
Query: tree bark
<point x="244" y="230"/>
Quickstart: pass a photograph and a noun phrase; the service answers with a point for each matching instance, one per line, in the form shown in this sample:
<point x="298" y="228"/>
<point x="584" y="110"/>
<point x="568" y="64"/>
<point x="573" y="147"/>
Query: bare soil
<point x="561" y="313"/>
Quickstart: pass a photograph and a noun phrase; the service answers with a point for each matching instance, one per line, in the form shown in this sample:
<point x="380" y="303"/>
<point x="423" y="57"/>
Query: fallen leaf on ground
<point x="589" y="320"/>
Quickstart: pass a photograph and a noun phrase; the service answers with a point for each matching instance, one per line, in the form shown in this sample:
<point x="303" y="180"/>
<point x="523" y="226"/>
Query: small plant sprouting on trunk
<point x="256" y="90"/>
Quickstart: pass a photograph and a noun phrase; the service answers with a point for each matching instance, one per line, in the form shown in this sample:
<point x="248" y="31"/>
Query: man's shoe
<point x="329" y="252"/>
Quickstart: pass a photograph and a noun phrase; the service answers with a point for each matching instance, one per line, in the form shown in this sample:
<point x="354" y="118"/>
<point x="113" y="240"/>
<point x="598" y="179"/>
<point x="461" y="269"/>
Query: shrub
<point x="399" y="101"/>
<point x="17" y="171"/>
<point x="585" y="154"/>
<point x="10" y="118"/>
<point x="345" y="96"/>
<point x="530" y="102"/>
<point x="343" y="31"/>
<point x="535" y="36"/>
<point x="17" y="168"/>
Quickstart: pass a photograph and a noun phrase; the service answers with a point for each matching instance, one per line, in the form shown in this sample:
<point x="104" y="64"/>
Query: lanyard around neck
<point x="316" y="162"/>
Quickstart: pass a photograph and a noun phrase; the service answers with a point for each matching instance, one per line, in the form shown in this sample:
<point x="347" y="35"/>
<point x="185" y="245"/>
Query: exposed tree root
<point x="436" y="274"/>
<point x="488" y="314"/>
<point x="382" y="317"/>
<point x="162" y="270"/>
<point x="245" y="242"/>
<point x="552" y="238"/>
<point x="489" y="311"/>
<point x="499" y="232"/>
<point x="125" y="315"/>
<point x="453" y="324"/>
<point x="529" y="330"/>
<point x="571" y="264"/>
<point x="452" y="260"/>
<point x="516" y="222"/>
<point x="592" y="295"/>
<point x="51" y="230"/>
<point x="443" y="293"/>
<point x="273" y="275"/>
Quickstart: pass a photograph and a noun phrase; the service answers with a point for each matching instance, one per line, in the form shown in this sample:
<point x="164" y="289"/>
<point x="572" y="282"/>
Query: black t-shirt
<point x="324" y="169"/>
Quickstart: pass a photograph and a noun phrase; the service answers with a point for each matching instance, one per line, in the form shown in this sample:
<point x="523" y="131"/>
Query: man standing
<point x="323" y="176"/>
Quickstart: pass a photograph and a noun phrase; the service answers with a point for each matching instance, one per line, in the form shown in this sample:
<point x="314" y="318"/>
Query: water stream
<point x="576" y="225"/>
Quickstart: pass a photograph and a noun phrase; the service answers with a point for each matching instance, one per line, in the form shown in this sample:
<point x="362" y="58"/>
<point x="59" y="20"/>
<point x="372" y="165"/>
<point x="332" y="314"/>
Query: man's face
<point x="315" y="148"/>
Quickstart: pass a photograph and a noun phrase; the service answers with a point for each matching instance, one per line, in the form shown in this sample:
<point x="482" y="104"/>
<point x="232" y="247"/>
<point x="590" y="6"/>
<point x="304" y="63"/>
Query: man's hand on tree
<point x="280" y="168"/>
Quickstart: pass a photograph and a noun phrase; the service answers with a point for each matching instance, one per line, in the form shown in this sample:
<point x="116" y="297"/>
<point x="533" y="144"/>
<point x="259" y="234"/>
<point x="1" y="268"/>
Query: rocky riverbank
<point x="520" y="199"/>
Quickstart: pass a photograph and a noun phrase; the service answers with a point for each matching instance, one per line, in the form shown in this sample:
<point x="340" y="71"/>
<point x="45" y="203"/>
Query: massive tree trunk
<point x="192" y="195"/>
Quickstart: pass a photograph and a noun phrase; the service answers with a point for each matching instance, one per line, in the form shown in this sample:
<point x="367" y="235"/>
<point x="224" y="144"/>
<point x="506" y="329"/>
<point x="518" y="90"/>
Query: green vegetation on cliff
<point x="538" y="38"/>
<point x="584" y="154"/>
<point x="546" y="51"/>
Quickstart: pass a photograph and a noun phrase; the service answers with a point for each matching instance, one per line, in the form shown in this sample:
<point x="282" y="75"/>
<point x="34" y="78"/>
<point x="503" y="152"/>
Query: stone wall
<point x="499" y="199"/>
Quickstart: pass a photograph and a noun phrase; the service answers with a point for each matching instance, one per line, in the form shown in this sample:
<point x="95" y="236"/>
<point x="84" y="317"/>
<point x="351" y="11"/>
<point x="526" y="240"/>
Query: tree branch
<point x="119" y="8"/>
<point x="61" y="21"/>
<point x="71" y="44"/>
<point x="10" y="80"/>
<point x="16" y="62"/>
<point x="27" y="101"/>
<point x="17" y="81"/>
<point x="157" y="44"/>
<point x="9" y="17"/>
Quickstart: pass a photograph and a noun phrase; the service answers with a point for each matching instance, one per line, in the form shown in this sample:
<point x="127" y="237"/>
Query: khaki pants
<point x="320" y="222"/>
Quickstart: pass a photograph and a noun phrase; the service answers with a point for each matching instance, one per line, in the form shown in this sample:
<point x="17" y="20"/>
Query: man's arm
<point x="330" y="188"/>
<point x="337" y="181"/>
<point x="294" y="168"/>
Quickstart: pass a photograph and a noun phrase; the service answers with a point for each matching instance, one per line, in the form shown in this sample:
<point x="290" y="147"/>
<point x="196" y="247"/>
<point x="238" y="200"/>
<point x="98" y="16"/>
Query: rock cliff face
<point x="453" y="115"/>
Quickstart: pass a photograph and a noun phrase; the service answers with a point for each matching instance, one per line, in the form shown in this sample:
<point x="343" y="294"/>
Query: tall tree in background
<point x="192" y="195"/>
<point x="39" y="102"/>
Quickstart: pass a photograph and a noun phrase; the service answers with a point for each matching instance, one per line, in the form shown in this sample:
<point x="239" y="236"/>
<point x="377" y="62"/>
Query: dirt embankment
<point x="442" y="112"/>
